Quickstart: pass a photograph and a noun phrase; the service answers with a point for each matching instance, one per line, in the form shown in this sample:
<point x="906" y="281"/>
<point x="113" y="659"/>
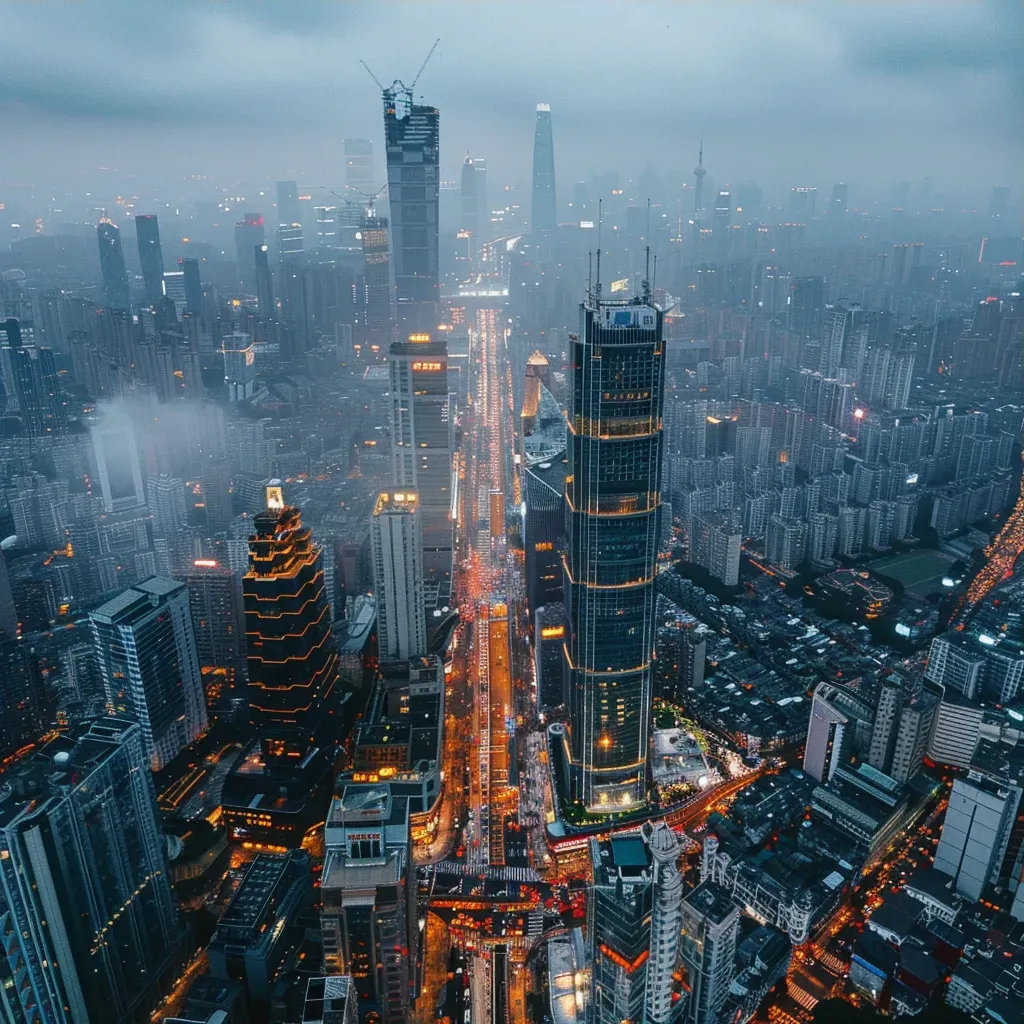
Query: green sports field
<point x="918" y="571"/>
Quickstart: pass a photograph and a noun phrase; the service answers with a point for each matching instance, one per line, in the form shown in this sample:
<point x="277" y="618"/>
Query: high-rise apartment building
<point x="83" y="872"/>
<point x="36" y="384"/>
<point x="715" y="545"/>
<point x="147" y="234"/>
<point x="293" y="666"/>
<point x="26" y="709"/>
<point x="613" y="526"/>
<point x="954" y="663"/>
<point x="218" y="619"/>
<point x="543" y="209"/>
<point x="421" y="450"/>
<point x="116" y="292"/>
<point x="146" y="650"/>
<point x="397" y="546"/>
<point x="412" y="140"/>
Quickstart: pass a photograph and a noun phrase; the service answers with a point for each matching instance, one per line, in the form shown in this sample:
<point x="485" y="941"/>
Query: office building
<point x="710" y="927"/>
<point x="549" y="633"/>
<point x="421" y="451"/>
<point x="976" y="831"/>
<point x="613" y="522"/>
<point x="116" y="292"/>
<point x="146" y="650"/>
<point x="331" y="1000"/>
<point x="367" y="891"/>
<point x="543" y="208"/>
<point x="259" y="925"/>
<point x="193" y="286"/>
<point x="663" y="1003"/>
<point x="83" y="873"/>
<point x="147" y="233"/>
<point x="239" y="366"/>
<point x="864" y="804"/>
<point x="411" y="138"/>
<point x="292" y="663"/>
<point x="839" y="727"/>
<point x="218" y="620"/>
<point x="903" y="722"/>
<point x="377" y="311"/>
<point x="396" y="542"/>
<point x="264" y="283"/>
<point x="620" y="915"/>
<point x="8" y="612"/>
<point x="288" y="210"/>
<point x="249" y="233"/>
<point x="359" y="164"/>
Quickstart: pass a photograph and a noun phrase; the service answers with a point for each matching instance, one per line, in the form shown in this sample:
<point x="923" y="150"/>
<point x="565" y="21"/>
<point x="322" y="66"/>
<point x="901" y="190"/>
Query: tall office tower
<point x="807" y="307"/>
<point x="412" y="141"/>
<point x="26" y="709"/>
<point x="359" y="164"/>
<point x="839" y="203"/>
<point x="218" y="620"/>
<point x="117" y="462"/>
<point x="469" y="205"/>
<point x="720" y="223"/>
<point x="264" y="283"/>
<point x="698" y="185"/>
<point x="83" y="871"/>
<point x="976" y="831"/>
<point x="293" y="666"/>
<point x="711" y="923"/>
<point x="955" y="665"/>
<point x="549" y="660"/>
<point x="620" y="927"/>
<point x="36" y="385"/>
<point x="249" y="234"/>
<point x="377" y="312"/>
<point x="613" y="525"/>
<point x="483" y="209"/>
<point x="291" y="243"/>
<point x="367" y="891"/>
<point x="421" y="453"/>
<point x="288" y="209"/>
<point x="146" y="650"/>
<point x="147" y="231"/>
<point x="398" y="575"/>
<point x="663" y="1004"/>
<point x="543" y="207"/>
<point x="193" y="286"/>
<point x="8" y="613"/>
<point x="116" y="292"/>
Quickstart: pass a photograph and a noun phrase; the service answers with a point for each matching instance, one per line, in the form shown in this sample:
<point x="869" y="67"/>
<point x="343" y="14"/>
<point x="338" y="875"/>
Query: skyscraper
<point x="83" y="871"/>
<point x="193" y="286"/>
<point x="116" y="292"/>
<point x="264" y="283"/>
<point x="543" y="209"/>
<point x="147" y="231"/>
<point x="398" y="575"/>
<point x="218" y="620"/>
<point x="249" y="234"/>
<point x="8" y="613"/>
<point x="710" y="926"/>
<point x="146" y="650"/>
<point x="469" y="208"/>
<point x="412" y="141"/>
<point x="26" y="709"/>
<point x="359" y="164"/>
<point x="377" y="313"/>
<point x="293" y="667"/>
<point x="36" y="385"/>
<point x="288" y="211"/>
<point x="421" y="451"/>
<point x="613" y="526"/>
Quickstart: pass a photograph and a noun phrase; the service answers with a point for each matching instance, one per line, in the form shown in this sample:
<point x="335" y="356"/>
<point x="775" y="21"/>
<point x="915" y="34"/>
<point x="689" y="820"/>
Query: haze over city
<point x="511" y="513"/>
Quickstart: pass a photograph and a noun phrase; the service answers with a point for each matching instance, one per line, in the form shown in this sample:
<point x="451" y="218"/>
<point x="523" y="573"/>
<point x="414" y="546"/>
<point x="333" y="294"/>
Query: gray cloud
<point x="263" y="89"/>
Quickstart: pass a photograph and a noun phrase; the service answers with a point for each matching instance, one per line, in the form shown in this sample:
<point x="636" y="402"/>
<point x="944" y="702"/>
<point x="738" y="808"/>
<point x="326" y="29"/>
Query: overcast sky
<point x="783" y="93"/>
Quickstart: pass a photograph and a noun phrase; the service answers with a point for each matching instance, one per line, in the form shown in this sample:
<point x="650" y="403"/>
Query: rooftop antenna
<point x="600" y="215"/>
<point x="373" y="76"/>
<point x="590" y="276"/>
<point x="647" y="257"/>
<point x="423" y="65"/>
<point x="654" y="281"/>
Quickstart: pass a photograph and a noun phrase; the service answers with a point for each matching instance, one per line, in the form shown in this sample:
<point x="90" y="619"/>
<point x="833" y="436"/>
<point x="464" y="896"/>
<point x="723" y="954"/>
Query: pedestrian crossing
<point x="504" y="874"/>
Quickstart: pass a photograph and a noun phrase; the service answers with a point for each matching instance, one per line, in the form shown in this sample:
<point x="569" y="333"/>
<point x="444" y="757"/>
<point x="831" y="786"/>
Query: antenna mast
<point x="600" y="216"/>
<point x="647" y="257"/>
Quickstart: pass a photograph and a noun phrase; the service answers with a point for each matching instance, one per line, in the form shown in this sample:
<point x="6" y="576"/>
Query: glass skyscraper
<point x="543" y="215"/>
<point x="147" y="230"/>
<point x="412" y="141"/>
<point x="115" y="276"/>
<point x="613" y="523"/>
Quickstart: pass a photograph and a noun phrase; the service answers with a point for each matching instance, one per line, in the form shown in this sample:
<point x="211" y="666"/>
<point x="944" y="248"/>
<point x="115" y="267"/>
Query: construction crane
<point x="398" y="85"/>
<point x="370" y="197"/>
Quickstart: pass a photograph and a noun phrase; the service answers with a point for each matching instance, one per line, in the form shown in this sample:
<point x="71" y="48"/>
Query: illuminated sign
<point x="552" y="632"/>
<point x="631" y="316"/>
<point x="205" y="563"/>
<point x="250" y="356"/>
<point x="426" y="366"/>
<point x="419" y="339"/>
<point x="275" y="495"/>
